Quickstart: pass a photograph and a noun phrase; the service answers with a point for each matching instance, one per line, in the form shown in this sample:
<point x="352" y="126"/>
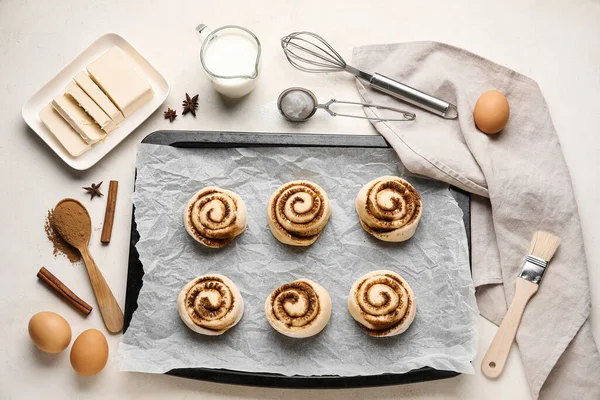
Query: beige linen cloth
<point x="520" y="183"/>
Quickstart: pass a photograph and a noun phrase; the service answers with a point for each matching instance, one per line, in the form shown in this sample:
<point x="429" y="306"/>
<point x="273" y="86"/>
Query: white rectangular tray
<point x="56" y="85"/>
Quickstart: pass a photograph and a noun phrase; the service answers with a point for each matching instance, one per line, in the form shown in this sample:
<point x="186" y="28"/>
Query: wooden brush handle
<point x="495" y="358"/>
<point x="109" y="308"/>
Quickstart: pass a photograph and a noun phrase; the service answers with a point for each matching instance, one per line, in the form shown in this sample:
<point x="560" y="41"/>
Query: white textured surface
<point x="556" y="43"/>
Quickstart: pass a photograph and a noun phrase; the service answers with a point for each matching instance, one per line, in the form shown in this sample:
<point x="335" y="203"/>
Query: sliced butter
<point x="63" y="132"/>
<point x="78" y="119"/>
<point x="87" y="84"/>
<point x="90" y="107"/>
<point x="115" y="73"/>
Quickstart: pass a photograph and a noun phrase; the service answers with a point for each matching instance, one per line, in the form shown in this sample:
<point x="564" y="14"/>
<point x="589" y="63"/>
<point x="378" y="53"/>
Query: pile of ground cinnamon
<point x="60" y="246"/>
<point x="72" y="222"/>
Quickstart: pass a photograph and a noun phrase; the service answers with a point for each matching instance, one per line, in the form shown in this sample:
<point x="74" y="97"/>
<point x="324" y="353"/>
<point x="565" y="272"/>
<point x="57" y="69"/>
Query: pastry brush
<point x="543" y="247"/>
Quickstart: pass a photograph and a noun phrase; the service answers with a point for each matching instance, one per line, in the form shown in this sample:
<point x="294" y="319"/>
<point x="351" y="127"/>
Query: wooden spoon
<point x="73" y="223"/>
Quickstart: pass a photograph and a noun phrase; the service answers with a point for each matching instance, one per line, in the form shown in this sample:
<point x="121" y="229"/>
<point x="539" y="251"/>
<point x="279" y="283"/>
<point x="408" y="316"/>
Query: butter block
<point x="91" y="89"/>
<point x="115" y="73"/>
<point x="78" y="119"/>
<point x="90" y="107"/>
<point x="63" y="132"/>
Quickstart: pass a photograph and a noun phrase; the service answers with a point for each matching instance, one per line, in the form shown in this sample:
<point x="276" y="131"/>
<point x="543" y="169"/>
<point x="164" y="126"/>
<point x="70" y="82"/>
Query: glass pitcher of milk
<point x="230" y="56"/>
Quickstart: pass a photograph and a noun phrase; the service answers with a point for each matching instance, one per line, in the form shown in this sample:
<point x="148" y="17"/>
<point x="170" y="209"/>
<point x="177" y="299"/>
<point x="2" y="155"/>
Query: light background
<point x="557" y="43"/>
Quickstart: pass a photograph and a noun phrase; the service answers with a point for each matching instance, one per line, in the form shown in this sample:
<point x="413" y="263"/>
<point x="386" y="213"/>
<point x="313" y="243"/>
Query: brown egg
<point x="491" y="112"/>
<point x="89" y="353"/>
<point x="50" y="332"/>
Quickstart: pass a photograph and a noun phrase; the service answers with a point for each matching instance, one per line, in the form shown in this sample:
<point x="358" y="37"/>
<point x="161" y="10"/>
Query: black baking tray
<point x="211" y="139"/>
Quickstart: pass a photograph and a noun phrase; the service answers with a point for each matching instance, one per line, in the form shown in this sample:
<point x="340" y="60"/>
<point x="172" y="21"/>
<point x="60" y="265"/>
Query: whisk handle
<point x="413" y="96"/>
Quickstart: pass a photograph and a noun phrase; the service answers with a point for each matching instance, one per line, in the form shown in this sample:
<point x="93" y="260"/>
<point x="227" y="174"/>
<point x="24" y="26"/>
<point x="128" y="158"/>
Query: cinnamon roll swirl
<point x="214" y="217"/>
<point x="382" y="303"/>
<point x="298" y="212"/>
<point x="298" y="309"/>
<point x="210" y="304"/>
<point x="389" y="208"/>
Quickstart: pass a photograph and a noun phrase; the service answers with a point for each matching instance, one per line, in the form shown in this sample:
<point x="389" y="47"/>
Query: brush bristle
<point x="544" y="245"/>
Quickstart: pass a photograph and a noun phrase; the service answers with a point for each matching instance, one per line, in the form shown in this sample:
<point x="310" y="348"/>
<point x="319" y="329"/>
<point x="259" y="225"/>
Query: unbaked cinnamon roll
<point x="214" y="217"/>
<point x="298" y="212"/>
<point x="210" y="304"/>
<point x="382" y="303"/>
<point x="389" y="208"/>
<point x="298" y="309"/>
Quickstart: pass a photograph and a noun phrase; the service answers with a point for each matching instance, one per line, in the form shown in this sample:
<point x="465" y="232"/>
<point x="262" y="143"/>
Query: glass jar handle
<point x="202" y="32"/>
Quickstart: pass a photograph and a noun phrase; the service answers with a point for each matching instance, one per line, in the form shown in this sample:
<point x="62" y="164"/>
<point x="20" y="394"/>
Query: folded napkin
<point x="520" y="183"/>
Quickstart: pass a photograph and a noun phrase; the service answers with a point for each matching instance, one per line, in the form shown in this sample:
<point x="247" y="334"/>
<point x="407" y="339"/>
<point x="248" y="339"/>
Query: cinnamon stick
<point x="63" y="291"/>
<point x="109" y="215"/>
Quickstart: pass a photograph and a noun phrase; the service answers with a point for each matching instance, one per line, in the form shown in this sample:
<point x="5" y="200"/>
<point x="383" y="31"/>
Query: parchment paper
<point x="434" y="262"/>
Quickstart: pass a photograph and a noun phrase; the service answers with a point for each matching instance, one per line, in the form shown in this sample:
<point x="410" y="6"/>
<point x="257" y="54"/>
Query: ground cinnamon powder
<point x="72" y="222"/>
<point x="60" y="247"/>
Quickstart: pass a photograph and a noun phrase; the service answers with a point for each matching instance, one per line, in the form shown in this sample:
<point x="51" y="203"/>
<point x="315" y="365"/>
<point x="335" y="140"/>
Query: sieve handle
<point x="413" y="96"/>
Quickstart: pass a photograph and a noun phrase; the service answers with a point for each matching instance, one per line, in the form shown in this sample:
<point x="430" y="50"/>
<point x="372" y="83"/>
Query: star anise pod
<point x="94" y="190"/>
<point x="190" y="104"/>
<point x="170" y="114"/>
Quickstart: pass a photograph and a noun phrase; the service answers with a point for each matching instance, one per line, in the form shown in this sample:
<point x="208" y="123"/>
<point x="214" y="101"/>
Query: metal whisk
<point x="309" y="52"/>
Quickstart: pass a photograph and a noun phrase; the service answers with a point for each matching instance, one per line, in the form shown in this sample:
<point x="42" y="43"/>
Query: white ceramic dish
<point x="56" y="85"/>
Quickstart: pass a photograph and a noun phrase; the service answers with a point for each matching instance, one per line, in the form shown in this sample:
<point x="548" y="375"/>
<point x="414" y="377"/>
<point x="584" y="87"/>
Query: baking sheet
<point x="435" y="262"/>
